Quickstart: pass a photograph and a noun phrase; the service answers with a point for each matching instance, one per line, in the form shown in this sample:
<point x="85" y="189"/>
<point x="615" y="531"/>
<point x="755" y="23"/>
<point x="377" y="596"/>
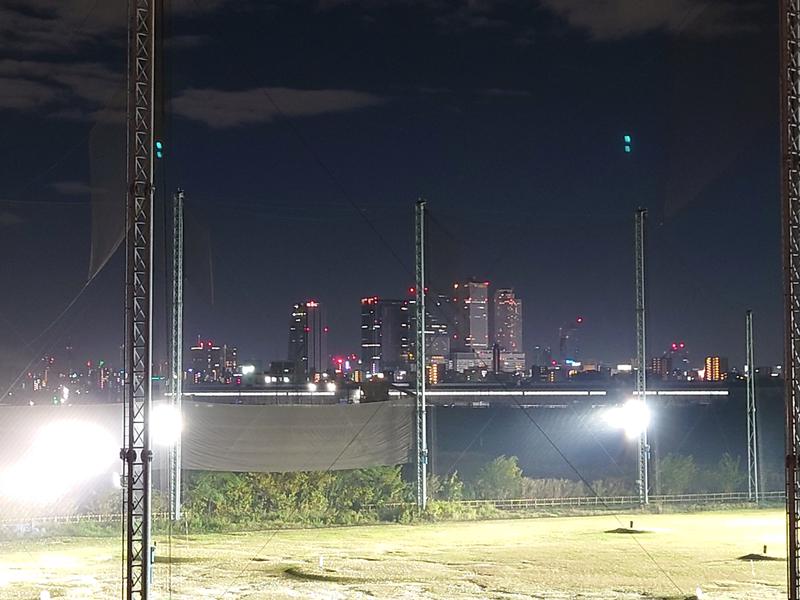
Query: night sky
<point x="507" y="115"/>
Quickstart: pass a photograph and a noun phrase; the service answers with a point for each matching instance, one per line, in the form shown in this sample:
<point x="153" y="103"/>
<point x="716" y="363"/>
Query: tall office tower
<point x="471" y="315"/>
<point x="508" y="320"/>
<point x="208" y="363"/>
<point x="439" y="322"/>
<point x="568" y="346"/>
<point x="716" y="368"/>
<point x="384" y="334"/>
<point x="308" y="340"/>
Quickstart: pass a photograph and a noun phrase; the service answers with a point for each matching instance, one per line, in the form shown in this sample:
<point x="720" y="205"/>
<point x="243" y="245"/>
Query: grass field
<point x="544" y="558"/>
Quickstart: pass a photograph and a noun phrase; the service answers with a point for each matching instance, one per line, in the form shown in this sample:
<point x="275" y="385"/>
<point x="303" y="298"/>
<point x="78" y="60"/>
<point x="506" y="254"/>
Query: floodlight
<point x="165" y="425"/>
<point x="63" y="455"/>
<point x="633" y="418"/>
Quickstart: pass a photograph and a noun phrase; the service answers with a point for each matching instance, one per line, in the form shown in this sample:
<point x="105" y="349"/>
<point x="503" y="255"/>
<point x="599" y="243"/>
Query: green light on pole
<point x="628" y="147"/>
<point x="159" y="149"/>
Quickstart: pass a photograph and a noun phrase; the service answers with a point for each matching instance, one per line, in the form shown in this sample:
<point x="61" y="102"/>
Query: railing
<point x="506" y="505"/>
<point x="36" y="521"/>
<point x="619" y="501"/>
<point x="607" y="501"/>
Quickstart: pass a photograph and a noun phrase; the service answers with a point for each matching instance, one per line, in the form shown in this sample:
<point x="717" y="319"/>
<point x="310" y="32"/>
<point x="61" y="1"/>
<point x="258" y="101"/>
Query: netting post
<point x="752" y="427"/>
<point x="641" y="355"/>
<point x="790" y="193"/>
<point x="421" y="433"/>
<point x="137" y="454"/>
<point x="176" y="340"/>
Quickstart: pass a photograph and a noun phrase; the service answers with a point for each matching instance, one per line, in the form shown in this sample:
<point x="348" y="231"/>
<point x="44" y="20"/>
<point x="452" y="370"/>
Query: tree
<point x="451" y="487"/>
<point x="499" y="480"/>
<point x="728" y="475"/>
<point x="679" y="474"/>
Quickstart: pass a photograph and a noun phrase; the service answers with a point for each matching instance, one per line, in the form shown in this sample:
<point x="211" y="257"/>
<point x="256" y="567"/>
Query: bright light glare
<point x="63" y="455"/>
<point x="633" y="418"/>
<point x="312" y="387"/>
<point x="248" y="369"/>
<point x="166" y="425"/>
<point x="331" y="387"/>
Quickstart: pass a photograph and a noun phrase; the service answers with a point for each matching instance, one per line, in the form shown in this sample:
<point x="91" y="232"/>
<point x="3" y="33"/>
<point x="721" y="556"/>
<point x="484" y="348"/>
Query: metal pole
<point x="177" y="346"/>
<point x="790" y="191"/>
<point x="641" y="354"/>
<point x="137" y="455"/>
<point x="752" y="428"/>
<point x="421" y="440"/>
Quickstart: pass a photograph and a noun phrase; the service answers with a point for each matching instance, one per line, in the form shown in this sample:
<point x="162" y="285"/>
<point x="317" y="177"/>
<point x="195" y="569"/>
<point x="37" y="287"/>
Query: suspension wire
<point x="75" y="203"/>
<point x="602" y="446"/>
<point x="317" y="158"/>
<point x="47" y="345"/>
<point x="592" y="490"/>
<point x="471" y="443"/>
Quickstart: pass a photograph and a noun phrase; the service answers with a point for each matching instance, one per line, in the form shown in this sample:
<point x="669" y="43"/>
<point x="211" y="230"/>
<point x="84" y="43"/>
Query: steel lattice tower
<point x="176" y="341"/>
<point x="641" y="354"/>
<point x="790" y="191"/>
<point x="752" y="427"/>
<point x="136" y="454"/>
<point x="421" y="433"/>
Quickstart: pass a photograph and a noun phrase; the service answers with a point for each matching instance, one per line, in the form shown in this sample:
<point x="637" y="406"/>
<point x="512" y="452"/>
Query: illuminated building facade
<point x="716" y="368"/>
<point x="384" y="334"/>
<point x="510" y="362"/>
<point x="568" y="341"/>
<point x="471" y="316"/>
<point x="308" y="340"/>
<point x="212" y="363"/>
<point x="508" y="320"/>
<point x="661" y="366"/>
<point x="438" y="324"/>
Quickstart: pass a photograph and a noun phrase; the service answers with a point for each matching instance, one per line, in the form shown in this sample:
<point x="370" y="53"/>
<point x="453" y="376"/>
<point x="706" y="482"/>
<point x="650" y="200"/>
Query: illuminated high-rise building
<point x="212" y="363"/>
<point x="308" y="340"/>
<point x="384" y="334"/>
<point x="508" y="320"/>
<point x="716" y="368"/>
<point x="661" y="366"/>
<point x="439" y="322"/>
<point x="471" y="301"/>
<point x="568" y="342"/>
<point x="207" y="361"/>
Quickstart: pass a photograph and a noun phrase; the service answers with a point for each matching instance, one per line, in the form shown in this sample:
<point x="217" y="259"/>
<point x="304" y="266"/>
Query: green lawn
<point x="545" y="558"/>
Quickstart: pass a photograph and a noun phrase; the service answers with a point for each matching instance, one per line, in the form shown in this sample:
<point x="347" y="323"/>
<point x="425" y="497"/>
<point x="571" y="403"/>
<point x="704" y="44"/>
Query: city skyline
<point x="532" y="179"/>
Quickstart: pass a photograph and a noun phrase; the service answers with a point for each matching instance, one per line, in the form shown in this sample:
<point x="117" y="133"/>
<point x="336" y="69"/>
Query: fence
<point x="506" y="505"/>
<point x="620" y="501"/>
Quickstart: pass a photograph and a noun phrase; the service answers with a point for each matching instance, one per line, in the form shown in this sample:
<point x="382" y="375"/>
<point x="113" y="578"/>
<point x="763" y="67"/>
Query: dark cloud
<point x="8" y="219"/>
<point x="616" y="19"/>
<point x="80" y="88"/>
<point x="223" y="108"/>
<point x="602" y="19"/>
<point x="187" y="41"/>
<point x="73" y="188"/>
<point x="38" y="26"/>
<point x="501" y="92"/>
<point x="22" y="94"/>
